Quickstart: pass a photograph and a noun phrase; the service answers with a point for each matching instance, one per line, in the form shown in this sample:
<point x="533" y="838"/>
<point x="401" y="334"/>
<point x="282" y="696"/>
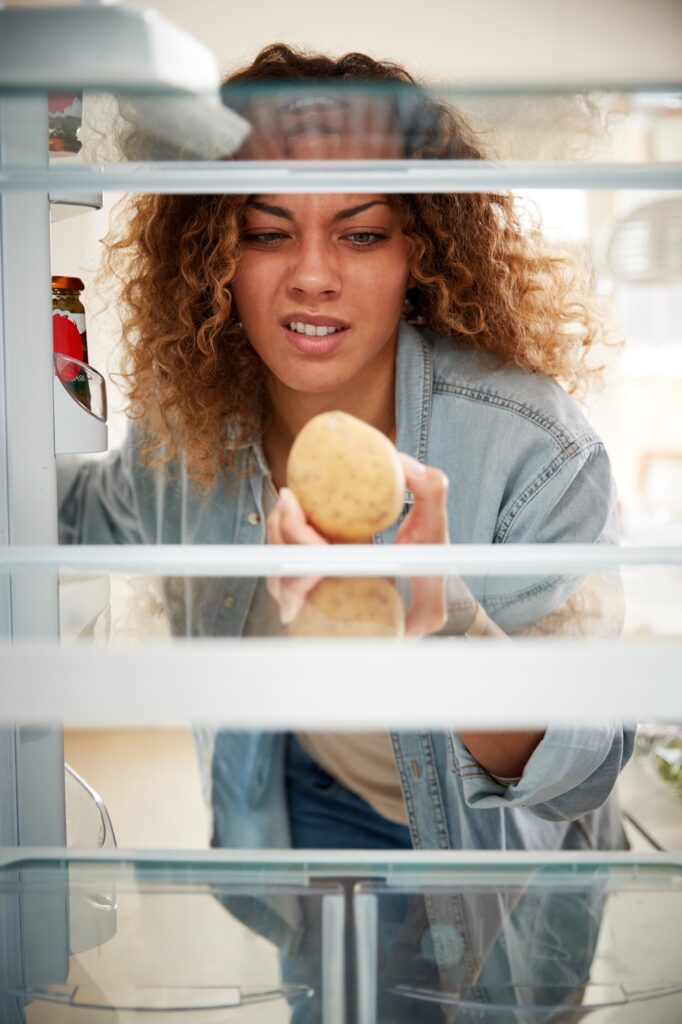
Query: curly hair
<point x="484" y="276"/>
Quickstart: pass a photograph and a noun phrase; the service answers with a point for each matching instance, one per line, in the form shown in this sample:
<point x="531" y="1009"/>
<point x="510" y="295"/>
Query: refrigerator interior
<point x="588" y="137"/>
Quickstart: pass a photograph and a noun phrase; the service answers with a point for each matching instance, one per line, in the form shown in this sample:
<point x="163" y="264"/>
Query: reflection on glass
<point x="631" y="603"/>
<point x="291" y="105"/>
<point x="323" y="119"/>
<point x="420" y="606"/>
<point x="520" y="953"/>
<point x="186" y="945"/>
<point x="389" y="116"/>
<point x="64" y="120"/>
<point x="381" y="942"/>
<point x="351" y="606"/>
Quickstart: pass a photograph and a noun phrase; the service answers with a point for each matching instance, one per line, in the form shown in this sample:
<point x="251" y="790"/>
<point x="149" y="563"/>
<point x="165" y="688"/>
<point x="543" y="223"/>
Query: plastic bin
<point x="277" y="938"/>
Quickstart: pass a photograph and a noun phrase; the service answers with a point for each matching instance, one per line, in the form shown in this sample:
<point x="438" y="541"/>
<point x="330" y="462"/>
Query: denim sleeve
<point x="570" y="772"/>
<point x="97" y="501"/>
<point x="572" y="500"/>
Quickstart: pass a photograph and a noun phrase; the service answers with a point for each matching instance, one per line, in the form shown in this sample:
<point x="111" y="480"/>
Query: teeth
<point x="311" y="330"/>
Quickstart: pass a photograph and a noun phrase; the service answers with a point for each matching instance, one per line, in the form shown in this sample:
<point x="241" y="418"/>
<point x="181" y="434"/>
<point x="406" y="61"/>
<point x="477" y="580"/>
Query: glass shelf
<point x="352" y="176"/>
<point x="604" y="624"/>
<point x="331" y="937"/>
<point x="293" y="137"/>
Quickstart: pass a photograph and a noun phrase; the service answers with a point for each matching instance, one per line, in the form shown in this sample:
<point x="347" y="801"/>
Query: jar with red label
<point x="69" y="337"/>
<point x="65" y="110"/>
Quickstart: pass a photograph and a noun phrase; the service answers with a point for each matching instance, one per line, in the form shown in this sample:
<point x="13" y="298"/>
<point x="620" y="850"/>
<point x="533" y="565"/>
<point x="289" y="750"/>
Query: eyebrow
<point x="281" y="211"/>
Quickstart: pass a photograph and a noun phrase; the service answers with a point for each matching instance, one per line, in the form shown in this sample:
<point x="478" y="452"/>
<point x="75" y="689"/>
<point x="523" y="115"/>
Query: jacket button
<point x="253" y="518"/>
<point x="228" y="601"/>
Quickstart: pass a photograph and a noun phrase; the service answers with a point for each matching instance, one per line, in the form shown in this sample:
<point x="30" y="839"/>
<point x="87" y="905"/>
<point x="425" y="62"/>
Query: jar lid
<point x="68" y="284"/>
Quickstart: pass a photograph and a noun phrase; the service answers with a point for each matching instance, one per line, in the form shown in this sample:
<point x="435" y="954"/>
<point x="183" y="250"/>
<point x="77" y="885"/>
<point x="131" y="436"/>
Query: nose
<point x="314" y="272"/>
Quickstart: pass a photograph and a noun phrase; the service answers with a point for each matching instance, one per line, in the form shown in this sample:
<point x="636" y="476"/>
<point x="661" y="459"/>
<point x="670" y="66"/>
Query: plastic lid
<point x="69" y="284"/>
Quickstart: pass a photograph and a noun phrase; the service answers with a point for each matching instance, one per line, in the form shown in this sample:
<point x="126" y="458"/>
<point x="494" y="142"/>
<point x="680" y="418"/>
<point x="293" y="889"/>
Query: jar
<point x="65" y="111"/>
<point x="69" y="336"/>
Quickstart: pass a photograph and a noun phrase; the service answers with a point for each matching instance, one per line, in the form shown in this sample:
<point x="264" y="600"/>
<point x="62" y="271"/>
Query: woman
<point x="445" y="324"/>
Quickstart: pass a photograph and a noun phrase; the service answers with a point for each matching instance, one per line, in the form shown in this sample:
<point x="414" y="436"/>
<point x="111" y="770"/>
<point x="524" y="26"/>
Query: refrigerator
<point x="586" y="119"/>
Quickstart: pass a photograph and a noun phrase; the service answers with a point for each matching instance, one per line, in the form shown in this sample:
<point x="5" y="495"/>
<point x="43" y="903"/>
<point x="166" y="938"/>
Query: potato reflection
<point x="351" y="606"/>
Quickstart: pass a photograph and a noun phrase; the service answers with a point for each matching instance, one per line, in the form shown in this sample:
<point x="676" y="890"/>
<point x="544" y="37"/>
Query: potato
<point x="347" y="476"/>
<point x="351" y="606"/>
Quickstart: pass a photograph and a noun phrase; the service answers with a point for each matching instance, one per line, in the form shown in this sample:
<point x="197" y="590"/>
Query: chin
<point x="317" y="387"/>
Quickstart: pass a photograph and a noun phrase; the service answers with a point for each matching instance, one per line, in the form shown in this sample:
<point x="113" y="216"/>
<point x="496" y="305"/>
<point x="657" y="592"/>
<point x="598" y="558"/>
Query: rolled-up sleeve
<point x="572" y="771"/>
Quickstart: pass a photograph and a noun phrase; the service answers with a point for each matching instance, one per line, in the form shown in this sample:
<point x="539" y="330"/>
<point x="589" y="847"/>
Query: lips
<point x="308" y="341"/>
<point x="315" y="319"/>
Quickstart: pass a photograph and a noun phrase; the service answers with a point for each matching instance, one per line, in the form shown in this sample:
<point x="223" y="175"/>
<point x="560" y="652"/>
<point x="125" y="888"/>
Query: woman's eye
<point x="365" y="239"/>
<point x="263" y="237"/>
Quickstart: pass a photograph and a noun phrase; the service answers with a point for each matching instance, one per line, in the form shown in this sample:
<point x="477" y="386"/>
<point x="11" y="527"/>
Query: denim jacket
<point x="524" y="467"/>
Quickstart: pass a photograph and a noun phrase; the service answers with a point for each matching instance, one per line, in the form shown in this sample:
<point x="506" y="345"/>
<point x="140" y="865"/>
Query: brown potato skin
<point x="351" y="606"/>
<point x="347" y="476"/>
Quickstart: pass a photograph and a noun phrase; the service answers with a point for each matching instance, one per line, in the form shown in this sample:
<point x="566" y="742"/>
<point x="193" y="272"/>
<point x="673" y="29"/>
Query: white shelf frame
<point x="335" y="559"/>
<point x="296" y="176"/>
<point x="276" y="683"/>
<point x="273" y="683"/>
<point x="312" y="863"/>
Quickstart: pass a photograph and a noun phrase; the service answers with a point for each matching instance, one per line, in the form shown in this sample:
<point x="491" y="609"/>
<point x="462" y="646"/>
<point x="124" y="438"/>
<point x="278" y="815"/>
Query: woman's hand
<point x="425" y="523"/>
<point x="287" y="524"/>
<point x="427" y="520"/>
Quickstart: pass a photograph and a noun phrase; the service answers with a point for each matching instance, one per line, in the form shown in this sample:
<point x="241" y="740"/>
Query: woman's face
<point x="314" y="123"/>
<point x="320" y="287"/>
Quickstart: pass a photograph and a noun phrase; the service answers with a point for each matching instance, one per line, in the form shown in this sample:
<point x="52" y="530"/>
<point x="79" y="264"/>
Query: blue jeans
<point x="325" y="815"/>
